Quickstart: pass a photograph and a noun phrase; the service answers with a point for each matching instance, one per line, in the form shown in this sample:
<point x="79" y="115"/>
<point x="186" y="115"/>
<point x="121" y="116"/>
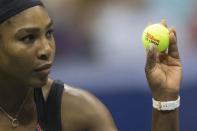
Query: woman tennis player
<point x="30" y="100"/>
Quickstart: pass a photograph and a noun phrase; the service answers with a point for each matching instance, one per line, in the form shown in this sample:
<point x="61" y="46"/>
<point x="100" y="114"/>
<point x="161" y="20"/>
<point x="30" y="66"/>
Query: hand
<point x="164" y="70"/>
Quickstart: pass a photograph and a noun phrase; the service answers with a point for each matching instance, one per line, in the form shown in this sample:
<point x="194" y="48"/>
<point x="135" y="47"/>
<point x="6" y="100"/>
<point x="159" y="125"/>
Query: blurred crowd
<point x="99" y="41"/>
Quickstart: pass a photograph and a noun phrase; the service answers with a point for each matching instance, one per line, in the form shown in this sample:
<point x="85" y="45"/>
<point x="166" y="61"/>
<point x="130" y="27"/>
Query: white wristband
<point x="166" y="105"/>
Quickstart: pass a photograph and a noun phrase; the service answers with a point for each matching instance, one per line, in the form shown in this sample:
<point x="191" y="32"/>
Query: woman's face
<point x="27" y="47"/>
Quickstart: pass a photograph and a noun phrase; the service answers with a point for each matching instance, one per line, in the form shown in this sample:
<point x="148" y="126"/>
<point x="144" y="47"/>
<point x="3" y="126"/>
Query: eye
<point x="28" y="38"/>
<point x="49" y="33"/>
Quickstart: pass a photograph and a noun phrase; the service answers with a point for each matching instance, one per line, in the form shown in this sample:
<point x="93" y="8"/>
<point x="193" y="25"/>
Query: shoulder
<point x="81" y="107"/>
<point x="80" y="97"/>
<point x="81" y="100"/>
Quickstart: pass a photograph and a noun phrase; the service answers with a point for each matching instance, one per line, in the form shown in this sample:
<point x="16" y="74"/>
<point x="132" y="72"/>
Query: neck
<point x="12" y="95"/>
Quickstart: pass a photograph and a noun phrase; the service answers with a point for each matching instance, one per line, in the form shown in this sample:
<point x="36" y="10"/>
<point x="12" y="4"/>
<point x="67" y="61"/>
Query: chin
<point x="37" y="83"/>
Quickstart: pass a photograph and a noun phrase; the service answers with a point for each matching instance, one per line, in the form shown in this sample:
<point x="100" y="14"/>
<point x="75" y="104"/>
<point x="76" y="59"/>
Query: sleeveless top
<point x="49" y="111"/>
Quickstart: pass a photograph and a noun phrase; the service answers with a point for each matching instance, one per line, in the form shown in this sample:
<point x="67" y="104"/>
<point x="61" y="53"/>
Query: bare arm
<point x="83" y="111"/>
<point x="164" y="74"/>
<point x="101" y="119"/>
<point x="165" y="121"/>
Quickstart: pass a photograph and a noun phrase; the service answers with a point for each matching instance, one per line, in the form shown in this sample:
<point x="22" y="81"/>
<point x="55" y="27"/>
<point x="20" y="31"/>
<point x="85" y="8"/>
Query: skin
<point x="164" y="74"/>
<point x="26" y="42"/>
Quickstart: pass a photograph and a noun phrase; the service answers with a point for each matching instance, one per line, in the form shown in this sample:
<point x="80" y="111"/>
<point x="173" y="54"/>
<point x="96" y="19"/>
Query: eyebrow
<point x="34" y="29"/>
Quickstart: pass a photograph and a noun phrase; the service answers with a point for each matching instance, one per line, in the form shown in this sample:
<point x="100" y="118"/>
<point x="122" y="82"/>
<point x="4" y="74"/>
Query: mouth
<point x="44" y="68"/>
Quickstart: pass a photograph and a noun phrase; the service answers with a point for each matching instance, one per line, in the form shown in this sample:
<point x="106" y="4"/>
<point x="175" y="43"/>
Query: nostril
<point x="43" y="56"/>
<point x="44" y="50"/>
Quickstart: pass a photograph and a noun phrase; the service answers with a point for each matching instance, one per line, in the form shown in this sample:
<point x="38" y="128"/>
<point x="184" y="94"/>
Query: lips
<point x="42" y="67"/>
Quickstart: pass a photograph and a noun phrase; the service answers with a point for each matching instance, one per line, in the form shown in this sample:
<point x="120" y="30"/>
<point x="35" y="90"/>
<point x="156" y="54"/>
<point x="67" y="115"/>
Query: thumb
<point x="151" y="58"/>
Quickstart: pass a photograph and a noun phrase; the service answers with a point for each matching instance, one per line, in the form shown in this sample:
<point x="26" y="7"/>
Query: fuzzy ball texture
<point x="156" y="34"/>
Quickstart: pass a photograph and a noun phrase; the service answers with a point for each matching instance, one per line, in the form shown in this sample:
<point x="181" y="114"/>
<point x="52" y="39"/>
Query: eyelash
<point x="28" y="38"/>
<point x="31" y="37"/>
<point x="50" y="32"/>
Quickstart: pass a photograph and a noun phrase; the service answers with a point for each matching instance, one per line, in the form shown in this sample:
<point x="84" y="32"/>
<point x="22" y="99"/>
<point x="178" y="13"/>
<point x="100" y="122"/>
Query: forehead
<point x="34" y="16"/>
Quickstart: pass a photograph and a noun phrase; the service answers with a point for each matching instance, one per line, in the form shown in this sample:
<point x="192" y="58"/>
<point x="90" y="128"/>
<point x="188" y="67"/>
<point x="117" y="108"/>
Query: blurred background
<point x="99" y="49"/>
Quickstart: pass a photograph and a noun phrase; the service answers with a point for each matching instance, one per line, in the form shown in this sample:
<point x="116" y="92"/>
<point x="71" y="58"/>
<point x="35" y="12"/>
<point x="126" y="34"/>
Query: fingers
<point x="163" y="22"/>
<point x="151" y="58"/>
<point x="172" y="29"/>
<point x="173" y="48"/>
<point x="172" y="51"/>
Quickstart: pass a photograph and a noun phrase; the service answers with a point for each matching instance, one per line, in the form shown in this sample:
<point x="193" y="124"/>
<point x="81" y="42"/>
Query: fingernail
<point x="172" y="34"/>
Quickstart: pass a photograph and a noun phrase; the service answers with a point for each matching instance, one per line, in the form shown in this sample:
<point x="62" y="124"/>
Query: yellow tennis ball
<point x="156" y="34"/>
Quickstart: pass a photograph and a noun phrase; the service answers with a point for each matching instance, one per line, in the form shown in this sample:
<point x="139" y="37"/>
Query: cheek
<point x="16" y="66"/>
<point x="53" y="47"/>
<point x="53" y="44"/>
<point x="23" y="61"/>
<point x="21" y="54"/>
<point x="20" y="59"/>
<point x="19" y="67"/>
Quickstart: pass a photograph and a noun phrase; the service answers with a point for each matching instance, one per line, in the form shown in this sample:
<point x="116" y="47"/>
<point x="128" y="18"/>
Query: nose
<point x="45" y="50"/>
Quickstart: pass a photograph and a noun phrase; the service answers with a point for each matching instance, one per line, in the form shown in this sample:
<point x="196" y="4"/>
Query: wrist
<point x="166" y="105"/>
<point x="166" y="96"/>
